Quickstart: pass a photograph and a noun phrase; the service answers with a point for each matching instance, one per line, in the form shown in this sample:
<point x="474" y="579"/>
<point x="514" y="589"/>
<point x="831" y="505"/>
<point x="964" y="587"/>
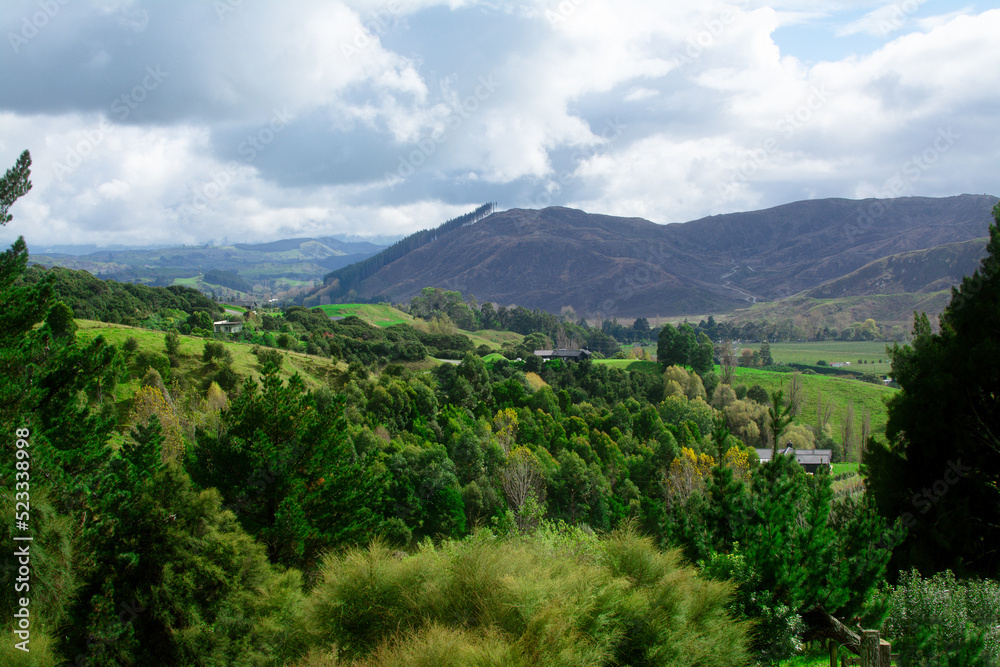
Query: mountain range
<point x="630" y="267"/>
<point x="266" y="267"/>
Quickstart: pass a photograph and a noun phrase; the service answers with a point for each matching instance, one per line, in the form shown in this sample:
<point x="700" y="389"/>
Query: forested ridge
<point x="193" y="503"/>
<point x="350" y="277"/>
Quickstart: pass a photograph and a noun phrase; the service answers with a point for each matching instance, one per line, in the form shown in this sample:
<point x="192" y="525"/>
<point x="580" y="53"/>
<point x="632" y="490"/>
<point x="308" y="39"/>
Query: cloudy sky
<point x="244" y="120"/>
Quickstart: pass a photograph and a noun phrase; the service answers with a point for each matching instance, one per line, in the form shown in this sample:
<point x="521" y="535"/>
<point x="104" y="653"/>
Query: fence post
<point x="833" y="653"/>
<point x="869" y="648"/>
<point x="875" y="652"/>
<point x="884" y="653"/>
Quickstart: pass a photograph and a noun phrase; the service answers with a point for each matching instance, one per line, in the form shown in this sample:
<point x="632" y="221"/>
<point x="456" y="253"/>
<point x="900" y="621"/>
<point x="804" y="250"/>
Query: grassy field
<point x="188" y="282"/>
<point x="843" y="468"/>
<point x="842" y="392"/>
<point x="378" y="314"/>
<point x="833" y="351"/>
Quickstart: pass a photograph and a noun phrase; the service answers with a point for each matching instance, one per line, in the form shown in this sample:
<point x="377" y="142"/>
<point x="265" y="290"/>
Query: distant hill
<point x="919" y="272"/>
<point x="262" y="267"/>
<point x="630" y="267"/>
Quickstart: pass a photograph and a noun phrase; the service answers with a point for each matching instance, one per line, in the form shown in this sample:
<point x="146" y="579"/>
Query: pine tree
<point x="940" y="472"/>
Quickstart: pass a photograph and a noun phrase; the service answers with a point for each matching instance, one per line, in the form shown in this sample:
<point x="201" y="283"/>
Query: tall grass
<point x="553" y="598"/>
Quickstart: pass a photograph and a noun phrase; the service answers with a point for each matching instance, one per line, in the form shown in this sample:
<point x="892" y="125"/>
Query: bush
<point x="941" y="621"/>
<point x="172" y="341"/>
<point x="557" y="597"/>
<point x="130" y="346"/>
<point x="268" y="357"/>
<point x="758" y="394"/>
<point x="226" y="378"/>
<point x="146" y="360"/>
<point x="216" y="353"/>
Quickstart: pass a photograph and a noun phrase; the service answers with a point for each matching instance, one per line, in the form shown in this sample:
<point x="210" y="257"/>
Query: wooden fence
<point x="875" y="652"/>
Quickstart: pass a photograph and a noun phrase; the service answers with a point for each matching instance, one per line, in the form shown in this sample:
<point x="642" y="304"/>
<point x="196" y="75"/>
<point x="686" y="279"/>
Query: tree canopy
<point x="940" y="471"/>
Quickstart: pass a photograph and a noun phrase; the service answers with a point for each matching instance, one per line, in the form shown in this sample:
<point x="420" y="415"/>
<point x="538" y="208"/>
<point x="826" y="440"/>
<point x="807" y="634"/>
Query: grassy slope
<point x="378" y="314"/>
<point x="841" y="391"/>
<point x="385" y="316"/>
<point x="494" y="339"/>
<point x="314" y="370"/>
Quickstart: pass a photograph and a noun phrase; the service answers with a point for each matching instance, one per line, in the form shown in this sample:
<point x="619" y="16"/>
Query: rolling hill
<point x="630" y="267"/>
<point x="267" y="267"/>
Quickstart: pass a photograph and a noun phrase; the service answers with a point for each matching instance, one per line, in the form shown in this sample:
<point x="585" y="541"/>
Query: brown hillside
<point x="606" y="265"/>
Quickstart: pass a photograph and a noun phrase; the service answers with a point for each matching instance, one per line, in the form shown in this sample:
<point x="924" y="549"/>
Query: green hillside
<point x="842" y="392"/>
<point x="381" y="314"/>
<point x="315" y="371"/>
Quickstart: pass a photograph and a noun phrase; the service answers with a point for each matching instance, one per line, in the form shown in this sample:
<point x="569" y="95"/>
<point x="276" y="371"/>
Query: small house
<point x="227" y="327"/>
<point x="813" y="460"/>
<point x="565" y="355"/>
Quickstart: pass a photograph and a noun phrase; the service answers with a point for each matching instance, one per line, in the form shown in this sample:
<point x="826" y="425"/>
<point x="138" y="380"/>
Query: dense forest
<point x="393" y="511"/>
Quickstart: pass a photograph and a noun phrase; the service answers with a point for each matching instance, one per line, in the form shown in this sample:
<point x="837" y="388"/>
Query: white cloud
<point x="708" y="114"/>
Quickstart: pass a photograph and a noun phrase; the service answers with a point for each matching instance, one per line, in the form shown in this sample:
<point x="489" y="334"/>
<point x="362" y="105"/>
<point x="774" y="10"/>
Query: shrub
<point x="758" y="394"/>
<point x="560" y="596"/>
<point x="268" y="358"/>
<point x="130" y="346"/>
<point x="941" y="621"/>
<point x="216" y="353"/>
<point x="172" y="341"/>
<point x="145" y="360"/>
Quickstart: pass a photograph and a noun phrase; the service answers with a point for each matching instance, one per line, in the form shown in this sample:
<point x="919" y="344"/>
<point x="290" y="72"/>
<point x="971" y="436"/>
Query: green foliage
<point x="786" y="543"/>
<point x="758" y="394"/>
<point x="216" y="354"/>
<point x="172" y="343"/>
<point x="940" y="470"/>
<point x="284" y="466"/>
<point x="765" y="354"/>
<point x="59" y="320"/>
<point x="108" y="301"/>
<point x="554" y="598"/>
<point x="942" y="621"/>
<point x="170" y="577"/>
<point x="270" y="359"/>
<point x="14" y="185"/>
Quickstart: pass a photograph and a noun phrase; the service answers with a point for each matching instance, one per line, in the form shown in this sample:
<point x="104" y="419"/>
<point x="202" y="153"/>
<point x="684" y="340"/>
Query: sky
<point x="225" y="121"/>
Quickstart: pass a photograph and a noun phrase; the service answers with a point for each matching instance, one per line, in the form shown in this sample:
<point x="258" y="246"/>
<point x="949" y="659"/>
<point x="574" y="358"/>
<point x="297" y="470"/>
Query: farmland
<point x="845" y="394"/>
<point x="873" y="353"/>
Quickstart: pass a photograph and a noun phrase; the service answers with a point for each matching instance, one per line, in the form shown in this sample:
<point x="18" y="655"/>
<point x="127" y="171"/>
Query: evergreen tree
<point x="765" y="354"/>
<point x="285" y="467"/>
<point x="701" y="355"/>
<point x="940" y="471"/>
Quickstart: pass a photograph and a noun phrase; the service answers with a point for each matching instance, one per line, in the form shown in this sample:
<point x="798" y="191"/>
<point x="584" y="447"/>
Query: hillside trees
<point x="685" y="346"/>
<point x="940" y="471"/>
<point x="787" y="544"/>
<point x="284" y="467"/>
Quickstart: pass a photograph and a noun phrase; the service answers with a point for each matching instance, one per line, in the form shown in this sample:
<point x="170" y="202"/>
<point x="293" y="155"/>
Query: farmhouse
<point x="227" y="327"/>
<point x="813" y="460"/>
<point x="567" y="355"/>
